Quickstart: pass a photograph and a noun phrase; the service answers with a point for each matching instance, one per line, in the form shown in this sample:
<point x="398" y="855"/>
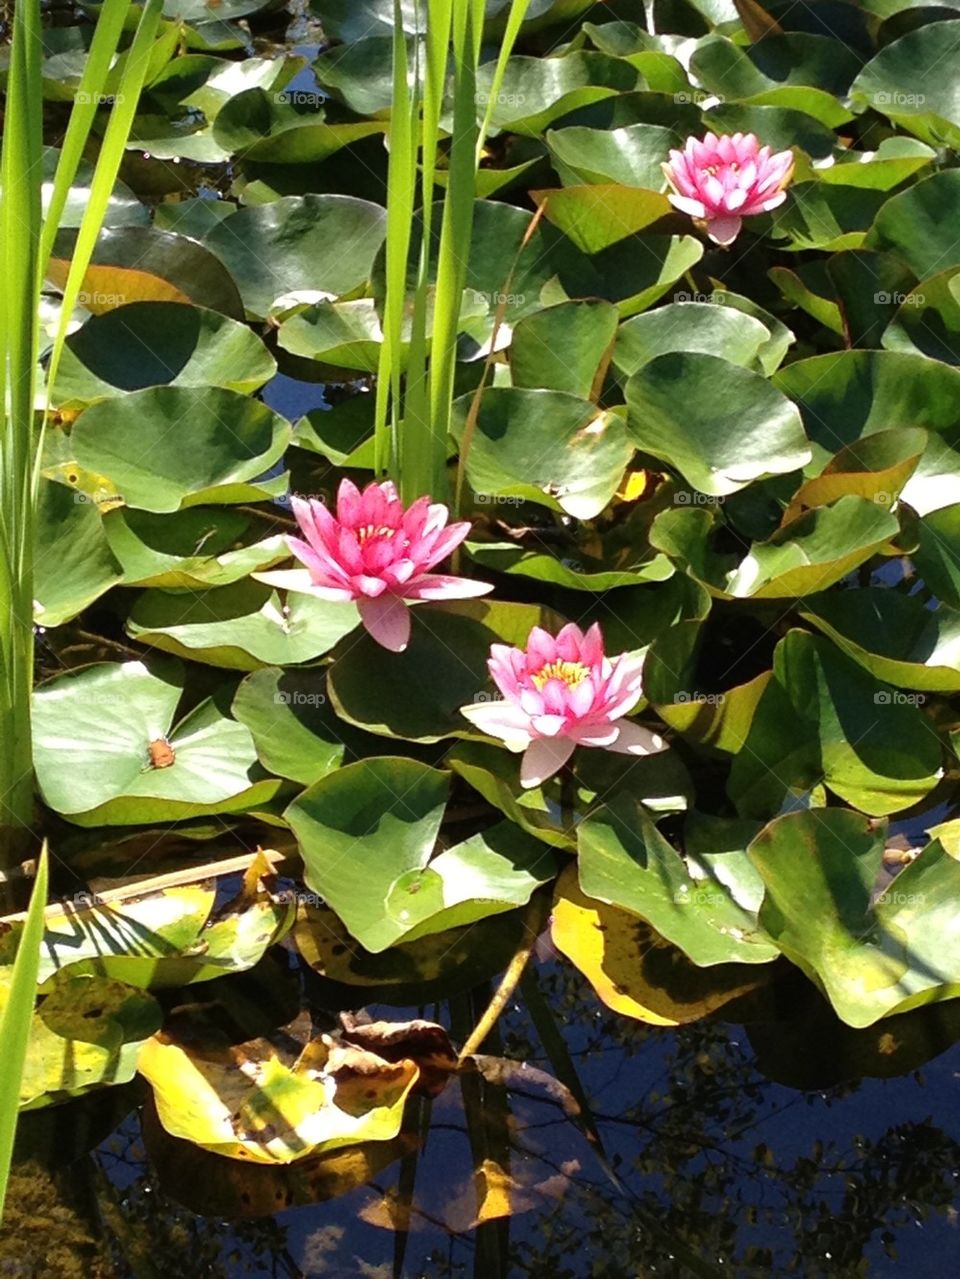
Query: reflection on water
<point x="726" y="1149"/>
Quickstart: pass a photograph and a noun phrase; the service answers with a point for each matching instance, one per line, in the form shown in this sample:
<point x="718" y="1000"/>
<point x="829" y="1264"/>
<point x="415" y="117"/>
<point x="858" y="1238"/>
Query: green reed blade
<point x="16" y="1018"/>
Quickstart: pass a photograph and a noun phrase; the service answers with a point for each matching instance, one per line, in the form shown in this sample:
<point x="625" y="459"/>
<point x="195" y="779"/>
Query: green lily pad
<point x="495" y="774"/>
<point x="123" y="207"/>
<point x="631" y="156"/>
<point x="927" y="320"/>
<point x="536" y="91"/>
<point x="109" y="750"/>
<point x="811" y="288"/>
<point x="810" y="554"/>
<point x="720" y="425"/>
<point x="143" y="264"/>
<point x="159" y="344"/>
<point x="625" y="861"/>
<point x="367" y="833"/>
<point x="893" y="636"/>
<point x="780" y="127"/>
<point x="820" y="215"/>
<point x="301" y="242"/>
<point x="597" y="216"/>
<point x="876" y="467"/>
<point x="872" y="955"/>
<point x="294" y="727"/>
<point x="777" y="757"/>
<point x="284" y="128"/>
<point x="580" y="574"/>
<point x="702" y="327"/>
<point x="894" y="160"/>
<point x="878" y="750"/>
<point x="938" y="555"/>
<point x="847" y="395"/>
<point x="563" y="347"/>
<point x="417" y="694"/>
<point x="197" y="547"/>
<point x="72" y="560"/>
<point x="915" y="224"/>
<point x="242" y="626"/>
<point x="912" y="82"/>
<point x="794" y="58"/>
<point x="170" y="446"/>
<point x="544" y="446"/>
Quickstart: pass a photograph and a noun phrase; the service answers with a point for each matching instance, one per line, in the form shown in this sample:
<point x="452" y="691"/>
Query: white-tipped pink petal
<point x="634" y="739"/>
<point x="387" y="619"/>
<point x="441" y="586"/>
<point x="300" y="582"/>
<point x="543" y="758"/>
<point x="695" y="208"/>
<point x="500" y="719"/>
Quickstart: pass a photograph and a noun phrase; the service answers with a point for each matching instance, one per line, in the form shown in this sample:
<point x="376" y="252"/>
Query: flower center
<point x="570" y="673"/>
<point x="368" y="531"/>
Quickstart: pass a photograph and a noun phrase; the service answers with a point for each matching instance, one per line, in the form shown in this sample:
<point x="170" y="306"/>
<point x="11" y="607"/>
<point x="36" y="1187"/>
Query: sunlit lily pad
<point x="165" y="937"/>
<point x="73" y="563"/>
<point x="195" y="547"/>
<point x="912" y="82"/>
<point x="108" y="749"/>
<point x="143" y="264"/>
<point x="86" y="1032"/>
<point x="170" y="446"/>
<point x="322" y="242"/>
<point x="159" y="344"/>
<point x="631" y="155"/>
<point x="257" y="1101"/>
<point x="690" y="326"/>
<point x="633" y="969"/>
<point x="846" y="395"/>
<point x="720" y="425"/>
<point x="242" y="626"/>
<point x="367" y="834"/>
<point x="893" y="636"/>
<point x="706" y="910"/>
<point x="545" y="446"/>
<point x="878" y="751"/>
<point x="418" y="693"/>
<point x="873" y="953"/>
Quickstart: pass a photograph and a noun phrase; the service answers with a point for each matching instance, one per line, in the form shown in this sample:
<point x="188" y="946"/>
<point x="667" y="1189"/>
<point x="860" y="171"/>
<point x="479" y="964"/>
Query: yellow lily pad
<point x="256" y="1101"/>
<point x="632" y="968"/>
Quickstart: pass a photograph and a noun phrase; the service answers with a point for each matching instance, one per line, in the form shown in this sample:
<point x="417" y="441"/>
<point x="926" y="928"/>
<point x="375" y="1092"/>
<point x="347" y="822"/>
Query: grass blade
<point x="17" y="1017"/>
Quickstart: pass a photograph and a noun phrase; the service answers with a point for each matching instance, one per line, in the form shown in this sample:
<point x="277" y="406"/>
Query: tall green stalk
<point x="27" y="241"/>
<point x="415" y="392"/>
<point x="16" y="1018"/>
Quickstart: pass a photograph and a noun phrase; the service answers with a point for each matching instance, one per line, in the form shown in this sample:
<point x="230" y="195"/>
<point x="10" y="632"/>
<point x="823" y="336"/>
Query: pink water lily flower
<point x="562" y="693"/>
<point x="376" y="553"/>
<point x="723" y="180"/>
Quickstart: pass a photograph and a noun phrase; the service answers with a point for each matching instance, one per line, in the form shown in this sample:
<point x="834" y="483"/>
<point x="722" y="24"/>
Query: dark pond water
<point x="726" y="1149"/>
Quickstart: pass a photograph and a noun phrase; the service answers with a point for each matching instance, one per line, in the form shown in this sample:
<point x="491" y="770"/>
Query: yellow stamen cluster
<point x="571" y="673"/>
<point x="371" y="530"/>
